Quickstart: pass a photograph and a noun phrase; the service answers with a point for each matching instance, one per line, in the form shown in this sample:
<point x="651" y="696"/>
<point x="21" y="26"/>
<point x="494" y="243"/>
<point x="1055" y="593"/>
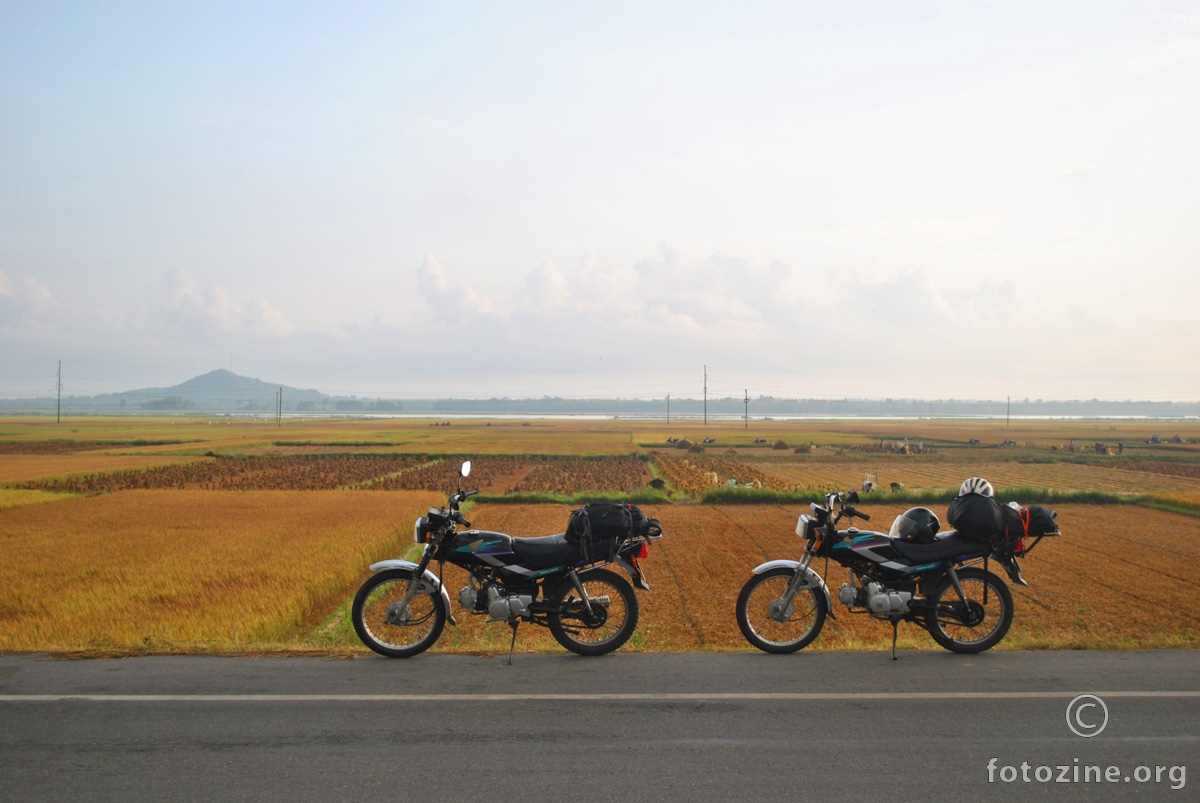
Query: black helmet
<point x="919" y="524"/>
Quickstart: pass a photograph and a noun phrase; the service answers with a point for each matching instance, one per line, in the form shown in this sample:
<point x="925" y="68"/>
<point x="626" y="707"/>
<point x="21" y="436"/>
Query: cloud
<point x="24" y="302"/>
<point x="183" y="305"/>
<point x="444" y="296"/>
<point x="546" y="287"/>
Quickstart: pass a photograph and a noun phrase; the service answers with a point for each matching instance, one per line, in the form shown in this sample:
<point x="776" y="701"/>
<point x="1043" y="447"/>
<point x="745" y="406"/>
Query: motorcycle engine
<point x="879" y="601"/>
<point x="852" y="596"/>
<point x="884" y="601"/>
<point x="468" y="597"/>
<point x="506" y="607"/>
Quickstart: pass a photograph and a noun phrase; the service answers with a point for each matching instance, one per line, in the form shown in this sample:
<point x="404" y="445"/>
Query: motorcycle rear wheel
<point x="607" y="627"/>
<point x="800" y="623"/>
<point x="424" y="619"/>
<point x="978" y="627"/>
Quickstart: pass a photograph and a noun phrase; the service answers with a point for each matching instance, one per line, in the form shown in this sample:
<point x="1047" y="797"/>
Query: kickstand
<point x="513" y="624"/>
<point x="895" y="628"/>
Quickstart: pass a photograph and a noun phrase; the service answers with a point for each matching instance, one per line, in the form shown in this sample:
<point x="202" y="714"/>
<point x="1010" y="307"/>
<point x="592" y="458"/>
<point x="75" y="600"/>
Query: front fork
<point x="781" y="609"/>
<point x="398" y="612"/>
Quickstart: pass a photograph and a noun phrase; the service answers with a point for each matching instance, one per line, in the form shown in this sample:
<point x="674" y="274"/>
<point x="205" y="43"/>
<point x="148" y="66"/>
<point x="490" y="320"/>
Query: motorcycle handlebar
<point x="856" y="513"/>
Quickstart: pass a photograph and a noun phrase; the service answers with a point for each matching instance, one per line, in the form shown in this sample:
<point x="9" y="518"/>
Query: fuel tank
<point x="483" y="547"/>
<point x="859" y="547"/>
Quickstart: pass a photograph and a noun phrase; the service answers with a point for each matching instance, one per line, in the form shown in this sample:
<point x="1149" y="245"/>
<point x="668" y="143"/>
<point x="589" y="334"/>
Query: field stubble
<point x="1120" y="577"/>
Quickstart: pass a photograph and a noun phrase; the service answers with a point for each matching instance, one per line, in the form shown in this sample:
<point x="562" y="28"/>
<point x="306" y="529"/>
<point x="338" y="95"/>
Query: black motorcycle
<point x="558" y="581"/>
<point x="939" y="581"/>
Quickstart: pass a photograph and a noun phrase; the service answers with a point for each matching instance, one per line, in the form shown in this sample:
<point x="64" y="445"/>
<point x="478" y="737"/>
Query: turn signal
<point x="643" y="551"/>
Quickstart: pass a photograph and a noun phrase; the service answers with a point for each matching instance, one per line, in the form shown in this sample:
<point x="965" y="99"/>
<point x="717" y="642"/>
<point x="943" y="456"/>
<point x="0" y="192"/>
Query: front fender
<point x="396" y="563"/>
<point x="811" y="578"/>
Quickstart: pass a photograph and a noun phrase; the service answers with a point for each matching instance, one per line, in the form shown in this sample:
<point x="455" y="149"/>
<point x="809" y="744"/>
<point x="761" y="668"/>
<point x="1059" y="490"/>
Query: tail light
<point x="643" y="551"/>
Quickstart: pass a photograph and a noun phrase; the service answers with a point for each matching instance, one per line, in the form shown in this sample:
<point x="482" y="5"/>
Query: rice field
<point x="121" y="536"/>
<point x="186" y="571"/>
<point x="34" y="467"/>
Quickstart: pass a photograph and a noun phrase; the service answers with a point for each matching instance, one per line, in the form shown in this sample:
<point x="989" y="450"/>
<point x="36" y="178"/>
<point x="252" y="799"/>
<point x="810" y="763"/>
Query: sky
<point x="411" y="200"/>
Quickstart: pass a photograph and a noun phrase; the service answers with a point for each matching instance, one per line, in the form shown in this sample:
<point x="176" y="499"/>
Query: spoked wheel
<point x="976" y="626"/>
<point x="389" y="630"/>
<point x="611" y="622"/>
<point x="768" y="623"/>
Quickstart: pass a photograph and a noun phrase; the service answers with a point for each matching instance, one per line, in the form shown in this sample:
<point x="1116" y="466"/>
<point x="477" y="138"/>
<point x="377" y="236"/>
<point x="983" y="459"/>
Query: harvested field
<point x="503" y="475"/>
<point x="574" y="475"/>
<point x="190" y="570"/>
<point x="308" y="473"/>
<point x="1119" y="577"/>
<point x="917" y="473"/>
<point x="497" y="474"/>
<point x="34" y="467"/>
<point x="50" y="447"/>
<point x="695" y="473"/>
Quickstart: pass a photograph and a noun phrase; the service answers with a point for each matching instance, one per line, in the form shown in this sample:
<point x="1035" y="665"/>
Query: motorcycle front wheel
<point x="770" y="626"/>
<point x="974" y="627"/>
<point x="390" y="631"/>
<point x="611" y="622"/>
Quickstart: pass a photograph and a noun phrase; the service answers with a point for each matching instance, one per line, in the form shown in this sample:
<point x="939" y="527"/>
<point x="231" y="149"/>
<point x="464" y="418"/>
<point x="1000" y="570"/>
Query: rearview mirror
<point x="465" y="471"/>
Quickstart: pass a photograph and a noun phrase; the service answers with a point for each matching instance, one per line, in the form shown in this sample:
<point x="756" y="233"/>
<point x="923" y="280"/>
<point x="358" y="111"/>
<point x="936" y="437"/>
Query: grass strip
<point x="1170" y="506"/>
<point x="1026" y="496"/>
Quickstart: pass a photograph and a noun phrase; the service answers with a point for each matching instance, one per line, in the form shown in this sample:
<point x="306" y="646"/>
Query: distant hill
<point x="218" y="390"/>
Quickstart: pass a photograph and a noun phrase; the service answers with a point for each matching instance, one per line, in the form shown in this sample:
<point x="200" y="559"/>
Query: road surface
<point x="836" y="726"/>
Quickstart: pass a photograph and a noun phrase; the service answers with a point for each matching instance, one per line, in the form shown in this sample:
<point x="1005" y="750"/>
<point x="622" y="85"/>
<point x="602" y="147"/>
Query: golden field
<point x="189" y="570"/>
<point x="19" y="467"/>
<point x="122" y="535"/>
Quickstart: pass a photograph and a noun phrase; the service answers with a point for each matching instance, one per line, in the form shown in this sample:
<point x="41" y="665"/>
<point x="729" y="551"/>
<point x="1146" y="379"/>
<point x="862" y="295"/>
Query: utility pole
<point x="747" y="401"/>
<point x="1007" y="410"/>
<point x="706" y="395"/>
<point x="58" y="416"/>
<point x="279" y="409"/>
<point x="668" y="409"/>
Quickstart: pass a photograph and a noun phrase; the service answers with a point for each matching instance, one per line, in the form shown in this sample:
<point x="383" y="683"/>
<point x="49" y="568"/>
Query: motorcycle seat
<point x="948" y="544"/>
<point x="544" y="552"/>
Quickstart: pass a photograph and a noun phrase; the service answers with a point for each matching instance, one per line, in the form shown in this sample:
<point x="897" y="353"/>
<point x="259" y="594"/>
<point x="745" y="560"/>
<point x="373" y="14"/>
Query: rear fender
<point x="387" y="565"/>
<point x="811" y="579"/>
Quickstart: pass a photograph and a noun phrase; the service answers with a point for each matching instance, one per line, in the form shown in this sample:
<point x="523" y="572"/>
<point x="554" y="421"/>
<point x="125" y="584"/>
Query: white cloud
<point x="447" y="298"/>
<point x="25" y="302"/>
<point x="183" y="305"/>
<point x="546" y="287"/>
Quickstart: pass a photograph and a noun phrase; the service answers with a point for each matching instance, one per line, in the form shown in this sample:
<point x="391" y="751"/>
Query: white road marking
<point x="698" y="697"/>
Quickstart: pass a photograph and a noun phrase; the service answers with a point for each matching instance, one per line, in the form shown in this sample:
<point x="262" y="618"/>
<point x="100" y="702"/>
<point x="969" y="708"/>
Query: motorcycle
<point x="552" y="582"/>
<point x="944" y="585"/>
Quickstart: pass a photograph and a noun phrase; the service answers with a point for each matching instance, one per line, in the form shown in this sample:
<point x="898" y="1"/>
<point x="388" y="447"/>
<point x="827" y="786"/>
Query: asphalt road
<point x="664" y="727"/>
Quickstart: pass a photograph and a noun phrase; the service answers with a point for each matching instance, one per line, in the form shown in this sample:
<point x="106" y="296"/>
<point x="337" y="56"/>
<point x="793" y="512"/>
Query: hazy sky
<point x="917" y="199"/>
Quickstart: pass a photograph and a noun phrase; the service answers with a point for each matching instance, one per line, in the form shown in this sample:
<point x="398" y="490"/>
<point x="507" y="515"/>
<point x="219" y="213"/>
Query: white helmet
<point x="976" y="485"/>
